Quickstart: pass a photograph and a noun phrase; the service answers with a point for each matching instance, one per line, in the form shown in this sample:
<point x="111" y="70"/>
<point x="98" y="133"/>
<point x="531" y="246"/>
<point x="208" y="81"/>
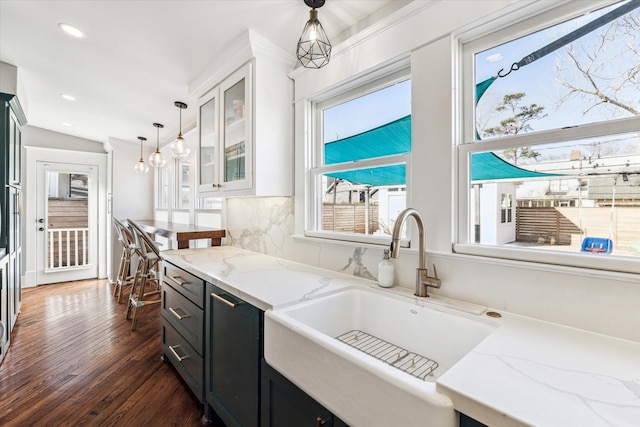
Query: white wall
<point x="38" y="137"/>
<point x="607" y="303"/>
<point x="492" y="230"/>
<point x="132" y="194"/>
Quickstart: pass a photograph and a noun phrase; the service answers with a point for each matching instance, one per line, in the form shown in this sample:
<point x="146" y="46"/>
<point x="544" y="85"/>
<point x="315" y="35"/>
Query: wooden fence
<point x="68" y="222"/>
<point x="349" y="218"/>
<point x="563" y="225"/>
<point x="544" y="225"/>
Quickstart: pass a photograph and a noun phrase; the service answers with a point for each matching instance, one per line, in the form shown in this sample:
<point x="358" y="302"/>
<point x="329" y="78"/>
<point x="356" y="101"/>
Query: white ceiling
<point x="138" y="57"/>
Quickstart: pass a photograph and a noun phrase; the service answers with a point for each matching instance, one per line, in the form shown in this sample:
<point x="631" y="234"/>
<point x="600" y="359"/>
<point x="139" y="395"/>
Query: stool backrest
<point x="124" y="235"/>
<point x="142" y="240"/>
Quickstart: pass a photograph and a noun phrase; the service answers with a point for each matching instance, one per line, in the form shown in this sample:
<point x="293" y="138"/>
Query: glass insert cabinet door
<point x="236" y="149"/>
<point x="234" y="133"/>
<point x="225" y="124"/>
<point x="208" y="126"/>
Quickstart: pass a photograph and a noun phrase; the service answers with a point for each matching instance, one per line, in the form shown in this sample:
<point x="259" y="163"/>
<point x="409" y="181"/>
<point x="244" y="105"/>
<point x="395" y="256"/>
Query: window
<point x="162" y="188"/>
<point x="551" y="130"/>
<point x="183" y="184"/>
<point x="362" y="150"/>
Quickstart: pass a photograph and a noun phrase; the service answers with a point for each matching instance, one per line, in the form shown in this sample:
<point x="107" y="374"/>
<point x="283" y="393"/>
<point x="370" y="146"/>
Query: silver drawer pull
<point x="175" y="353"/>
<point x="224" y="300"/>
<point x="179" y="280"/>
<point x="178" y="315"/>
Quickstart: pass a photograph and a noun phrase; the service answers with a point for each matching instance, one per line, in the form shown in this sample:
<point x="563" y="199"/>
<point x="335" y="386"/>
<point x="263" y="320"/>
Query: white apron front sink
<point x="389" y="380"/>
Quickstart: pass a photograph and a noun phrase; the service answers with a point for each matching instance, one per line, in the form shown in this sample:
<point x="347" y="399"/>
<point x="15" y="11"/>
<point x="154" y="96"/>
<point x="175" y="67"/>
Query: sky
<point x="539" y="79"/>
<point x="367" y="112"/>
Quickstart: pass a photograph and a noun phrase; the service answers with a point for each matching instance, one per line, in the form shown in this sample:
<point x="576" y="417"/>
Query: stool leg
<point x="140" y="293"/>
<point x="133" y="295"/>
<point x="126" y="279"/>
<point x="116" y="289"/>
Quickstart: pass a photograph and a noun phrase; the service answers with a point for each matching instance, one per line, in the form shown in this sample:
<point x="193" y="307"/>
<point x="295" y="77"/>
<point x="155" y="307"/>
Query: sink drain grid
<point x="409" y="362"/>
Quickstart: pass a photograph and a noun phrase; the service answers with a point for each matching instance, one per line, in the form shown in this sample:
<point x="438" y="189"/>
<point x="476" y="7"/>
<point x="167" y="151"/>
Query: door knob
<point x="41" y="229"/>
<point x="41" y="220"/>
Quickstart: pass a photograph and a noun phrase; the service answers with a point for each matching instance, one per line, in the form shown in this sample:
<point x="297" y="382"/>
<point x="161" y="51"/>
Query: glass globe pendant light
<point x="141" y="167"/>
<point x="314" y="48"/>
<point x="156" y="159"/>
<point x="180" y="147"/>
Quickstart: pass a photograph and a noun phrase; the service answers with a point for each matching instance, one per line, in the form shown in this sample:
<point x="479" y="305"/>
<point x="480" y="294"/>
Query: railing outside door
<point x="68" y="248"/>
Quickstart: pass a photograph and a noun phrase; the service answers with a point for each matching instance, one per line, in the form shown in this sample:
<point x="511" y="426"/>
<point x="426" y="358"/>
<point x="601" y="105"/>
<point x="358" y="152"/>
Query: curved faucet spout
<point x="397" y="230"/>
<point x="422" y="277"/>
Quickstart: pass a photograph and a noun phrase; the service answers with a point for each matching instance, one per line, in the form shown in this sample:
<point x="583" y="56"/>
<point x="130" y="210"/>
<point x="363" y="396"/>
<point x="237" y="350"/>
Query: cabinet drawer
<point x="187" y="284"/>
<point x="184" y="358"/>
<point x="186" y="317"/>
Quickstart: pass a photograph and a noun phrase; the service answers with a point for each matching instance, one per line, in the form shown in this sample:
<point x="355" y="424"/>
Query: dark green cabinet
<point x="11" y="119"/>
<point x="234" y="348"/>
<point x="4" y="305"/>
<point x="284" y="404"/>
<point x="466" y="421"/>
<point x="183" y="326"/>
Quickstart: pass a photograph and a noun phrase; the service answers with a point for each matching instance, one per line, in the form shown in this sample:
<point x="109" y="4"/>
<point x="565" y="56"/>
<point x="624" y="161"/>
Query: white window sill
<point x="600" y="265"/>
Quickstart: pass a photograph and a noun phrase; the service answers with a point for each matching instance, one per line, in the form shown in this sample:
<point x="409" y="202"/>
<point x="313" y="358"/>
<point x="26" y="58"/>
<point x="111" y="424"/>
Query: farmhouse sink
<point x="373" y="357"/>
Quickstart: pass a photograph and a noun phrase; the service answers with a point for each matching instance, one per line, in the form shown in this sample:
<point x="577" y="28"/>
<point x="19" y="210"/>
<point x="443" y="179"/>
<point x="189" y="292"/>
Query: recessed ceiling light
<point x="68" y="97"/>
<point x="67" y="124"/>
<point x="71" y="30"/>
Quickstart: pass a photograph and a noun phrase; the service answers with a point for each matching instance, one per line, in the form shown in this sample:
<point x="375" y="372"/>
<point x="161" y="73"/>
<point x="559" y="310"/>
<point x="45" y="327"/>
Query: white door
<point x="67" y="222"/>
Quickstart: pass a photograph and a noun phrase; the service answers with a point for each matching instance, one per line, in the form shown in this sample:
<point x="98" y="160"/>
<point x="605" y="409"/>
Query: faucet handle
<point x="432" y="281"/>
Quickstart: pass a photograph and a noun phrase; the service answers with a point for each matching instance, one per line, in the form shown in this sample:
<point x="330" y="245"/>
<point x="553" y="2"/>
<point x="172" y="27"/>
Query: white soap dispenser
<point x="386" y="271"/>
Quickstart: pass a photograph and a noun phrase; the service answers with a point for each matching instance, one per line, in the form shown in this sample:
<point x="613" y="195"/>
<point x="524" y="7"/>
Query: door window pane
<point x="67" y="220"/>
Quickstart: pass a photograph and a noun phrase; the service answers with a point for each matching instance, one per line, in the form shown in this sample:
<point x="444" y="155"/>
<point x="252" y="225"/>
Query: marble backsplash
<point x="266" y="225"/>
<point x="260" y="224"/>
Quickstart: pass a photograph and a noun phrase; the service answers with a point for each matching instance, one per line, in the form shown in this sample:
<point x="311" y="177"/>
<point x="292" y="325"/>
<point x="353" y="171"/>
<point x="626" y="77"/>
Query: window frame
<point x="466" y="144"/>
<point x="359" y="87"/>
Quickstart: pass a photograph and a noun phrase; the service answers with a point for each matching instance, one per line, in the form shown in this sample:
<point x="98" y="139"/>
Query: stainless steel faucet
<point x="423" y="280"/>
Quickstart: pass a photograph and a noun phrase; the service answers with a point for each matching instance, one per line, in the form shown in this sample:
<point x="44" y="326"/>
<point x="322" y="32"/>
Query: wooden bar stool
<point x="123" y="278"/>
<point x="145" y="290"/>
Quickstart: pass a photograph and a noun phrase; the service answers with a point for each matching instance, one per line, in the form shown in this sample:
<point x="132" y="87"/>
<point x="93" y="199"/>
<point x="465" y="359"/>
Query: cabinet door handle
<point x="320" y="422"/>
<point x="224" y="300"/>
<point x="175" y="353"/>
<point x="178" y="315"/>
<point x="179" y="280"/>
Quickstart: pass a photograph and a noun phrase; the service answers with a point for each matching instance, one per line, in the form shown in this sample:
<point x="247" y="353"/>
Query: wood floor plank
<point x="74" y="361"/>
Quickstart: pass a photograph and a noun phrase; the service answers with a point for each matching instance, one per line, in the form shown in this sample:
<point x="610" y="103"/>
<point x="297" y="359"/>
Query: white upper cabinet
<point x="244" y="121"/>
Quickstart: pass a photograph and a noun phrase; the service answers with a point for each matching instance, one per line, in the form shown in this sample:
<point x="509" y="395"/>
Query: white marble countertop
<point x="263" y="281"/>
<point x="527" y="372"/>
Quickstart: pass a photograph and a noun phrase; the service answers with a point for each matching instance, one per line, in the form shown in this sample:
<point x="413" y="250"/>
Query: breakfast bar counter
<point x="182" y="233"/>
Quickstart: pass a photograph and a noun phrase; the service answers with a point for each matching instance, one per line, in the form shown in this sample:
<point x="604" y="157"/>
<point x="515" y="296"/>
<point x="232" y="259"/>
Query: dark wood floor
<point x="73" y="360"/>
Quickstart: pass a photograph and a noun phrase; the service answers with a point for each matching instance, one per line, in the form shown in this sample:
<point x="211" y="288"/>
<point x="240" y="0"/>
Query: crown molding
<point x="242" y="49"/>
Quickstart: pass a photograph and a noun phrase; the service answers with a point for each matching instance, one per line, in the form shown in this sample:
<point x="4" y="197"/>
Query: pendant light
<point x="314" y="48"/>
<point x="141" y="167"/>
<point x="180" y="147"/>
<point x="156" y="159"/>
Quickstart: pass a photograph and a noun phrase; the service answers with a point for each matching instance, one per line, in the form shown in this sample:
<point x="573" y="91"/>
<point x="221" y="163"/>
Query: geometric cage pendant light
<point x="141" y="167"/>
<point x="156" y="159"/>
<point x="314" y="48"/>
<point x="180" y="147"/>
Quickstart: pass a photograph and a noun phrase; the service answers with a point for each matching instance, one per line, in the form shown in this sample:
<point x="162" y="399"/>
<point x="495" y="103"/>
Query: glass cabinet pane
<point x="208" y="142"/>
<point x="234" y="132"/>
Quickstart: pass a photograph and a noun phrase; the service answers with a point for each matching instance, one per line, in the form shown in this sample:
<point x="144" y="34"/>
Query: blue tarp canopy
<point x="395" y="138"/>
<point x="487" y="166"/>
<point x="387" y="140"/>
